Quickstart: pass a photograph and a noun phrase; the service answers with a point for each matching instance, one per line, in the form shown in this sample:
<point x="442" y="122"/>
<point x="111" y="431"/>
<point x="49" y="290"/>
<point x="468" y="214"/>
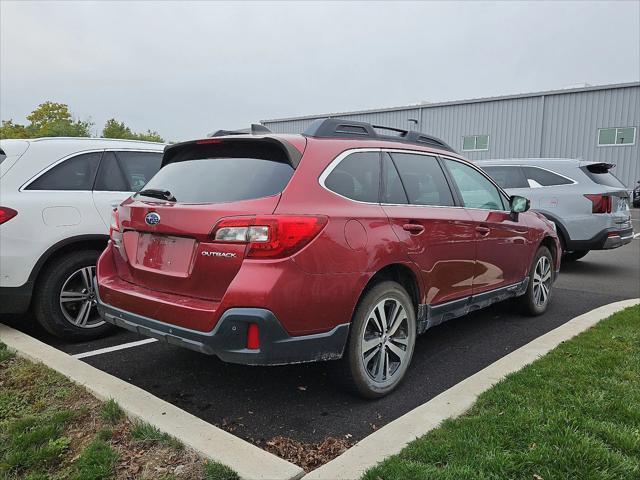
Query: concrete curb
<point x="394" y="436"/>
<point x="249" y="461"/>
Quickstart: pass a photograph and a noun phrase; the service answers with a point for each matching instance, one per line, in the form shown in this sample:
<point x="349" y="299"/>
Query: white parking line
<point x="100" y="351"/>
<point x="637" y="235"/>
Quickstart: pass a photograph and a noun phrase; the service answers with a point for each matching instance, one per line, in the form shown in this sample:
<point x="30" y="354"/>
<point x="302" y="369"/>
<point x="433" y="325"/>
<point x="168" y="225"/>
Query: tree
<point x="13" y="130"/>
<point x="53" y="119"/>
<point x="115" y="129"/>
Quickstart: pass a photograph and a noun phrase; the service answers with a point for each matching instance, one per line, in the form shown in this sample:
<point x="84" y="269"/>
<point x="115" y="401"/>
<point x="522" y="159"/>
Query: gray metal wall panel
<point x="559" y="125"/>
<point x="572" y="121"/>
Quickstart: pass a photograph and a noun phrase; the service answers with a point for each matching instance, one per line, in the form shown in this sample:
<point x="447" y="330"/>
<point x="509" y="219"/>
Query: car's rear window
<point x="220" y="180"/>
<point x="602" y="176"/>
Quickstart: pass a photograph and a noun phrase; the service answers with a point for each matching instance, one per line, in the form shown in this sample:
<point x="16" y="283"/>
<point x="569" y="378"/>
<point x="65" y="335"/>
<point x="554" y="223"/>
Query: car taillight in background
<point x="6" y="214"/>
<point x="272" y="236"/>
<point x="600" y="203"/>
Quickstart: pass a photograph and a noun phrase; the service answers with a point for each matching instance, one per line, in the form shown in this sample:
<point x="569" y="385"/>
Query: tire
<point x="394" y="344"/>
<point x="539" y="292"/>
<point x="73" y="271"/>
<point x="573" y="256"/>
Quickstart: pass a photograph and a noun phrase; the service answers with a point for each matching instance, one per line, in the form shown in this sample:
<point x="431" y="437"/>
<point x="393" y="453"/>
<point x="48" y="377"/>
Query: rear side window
<point x="220" y="180"/>
<point x="508" y="176"/>
<point x="357" y="177"/>
<point x="75" y="173"/>
<point x="126" y="171"/>
<point x="600" y="174"/>
<point x="423" y="179"/>
<point x="539" y="177"/>
<point x="393" y="191"/>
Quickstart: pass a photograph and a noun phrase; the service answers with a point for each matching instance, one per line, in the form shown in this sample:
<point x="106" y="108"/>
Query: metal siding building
<point x="557" y="123"/>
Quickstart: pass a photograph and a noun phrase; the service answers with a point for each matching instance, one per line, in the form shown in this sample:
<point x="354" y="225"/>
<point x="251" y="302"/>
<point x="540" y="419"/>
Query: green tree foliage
<point x="115" y="129"/>
<point x="13" y="130"/>
<point x="52" y="119"/>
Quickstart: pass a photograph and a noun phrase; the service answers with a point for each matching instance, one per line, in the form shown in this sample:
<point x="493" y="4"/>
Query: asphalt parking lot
<point x="300" y="401"/>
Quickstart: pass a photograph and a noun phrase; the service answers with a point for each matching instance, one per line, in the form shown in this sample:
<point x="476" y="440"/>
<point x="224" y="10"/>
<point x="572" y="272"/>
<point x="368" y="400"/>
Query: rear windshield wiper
<point x="161" y="194"/>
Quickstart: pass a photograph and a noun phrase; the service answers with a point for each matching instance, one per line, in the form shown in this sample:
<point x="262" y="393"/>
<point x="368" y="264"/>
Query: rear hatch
<point x="164" y="232"/>
<point x="610" y="194"/>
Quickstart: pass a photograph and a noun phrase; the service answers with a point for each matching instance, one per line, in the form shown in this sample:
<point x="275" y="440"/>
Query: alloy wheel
<point x="78" y="299"/>
<point x="542" y="281"/>
<point x="385" y="341"/>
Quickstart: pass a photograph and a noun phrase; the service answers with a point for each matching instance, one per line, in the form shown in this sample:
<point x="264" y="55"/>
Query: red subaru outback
<point x="340" y="243"/>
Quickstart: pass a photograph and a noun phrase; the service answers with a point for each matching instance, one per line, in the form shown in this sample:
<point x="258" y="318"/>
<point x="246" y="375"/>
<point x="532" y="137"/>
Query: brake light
<point x="208" y="141"/>
<point x="274" y="236"/>
<point x="6" y="214"/>
<point x="600" y="203"/>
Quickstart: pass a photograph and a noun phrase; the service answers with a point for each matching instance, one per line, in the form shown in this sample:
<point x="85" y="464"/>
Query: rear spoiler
<point x="235" y="146"/>
<point x="599" y="167"/>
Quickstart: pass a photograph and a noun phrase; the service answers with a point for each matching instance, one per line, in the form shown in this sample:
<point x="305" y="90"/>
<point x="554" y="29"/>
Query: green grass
<point x="574" y="413"/>
<point x="33" y="442"/>
<point x="5" y="353"/>
<point x="111" y="412"/>
<point x="96" y="462"/>
<point x="146" y="433"/>
<point x="217" y="471"/>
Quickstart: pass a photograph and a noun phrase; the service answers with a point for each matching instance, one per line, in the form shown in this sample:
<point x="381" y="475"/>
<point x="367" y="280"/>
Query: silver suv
<point x="588" y="204"/>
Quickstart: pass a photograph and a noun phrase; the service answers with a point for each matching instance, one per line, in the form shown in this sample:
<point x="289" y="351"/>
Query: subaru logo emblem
<point x="152" y="218"/>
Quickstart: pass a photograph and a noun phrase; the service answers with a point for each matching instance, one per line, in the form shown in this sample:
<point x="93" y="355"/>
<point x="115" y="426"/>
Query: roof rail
<point x="340" y="128"/>
<point x="255" y="129"/>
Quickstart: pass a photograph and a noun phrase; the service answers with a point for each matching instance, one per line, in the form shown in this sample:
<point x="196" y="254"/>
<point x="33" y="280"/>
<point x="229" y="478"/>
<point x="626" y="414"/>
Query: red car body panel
<point x="162" y="271"/>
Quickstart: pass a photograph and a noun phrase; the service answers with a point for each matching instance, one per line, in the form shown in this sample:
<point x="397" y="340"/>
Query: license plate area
<point x="165" y="254"/>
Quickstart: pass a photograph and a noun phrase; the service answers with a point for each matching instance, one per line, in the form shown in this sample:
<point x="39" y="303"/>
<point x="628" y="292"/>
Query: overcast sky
<point x="185" y="69"/>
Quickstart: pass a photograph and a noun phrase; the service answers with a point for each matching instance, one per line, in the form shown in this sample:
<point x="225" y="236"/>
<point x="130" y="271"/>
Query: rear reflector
<point x="269" y="236"/>
<point x="253" y="337"/>
<point x="600" y="203"/>
<point x="6" y="214"/>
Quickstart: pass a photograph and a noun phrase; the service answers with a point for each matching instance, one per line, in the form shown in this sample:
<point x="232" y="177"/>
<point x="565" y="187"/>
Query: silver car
<point x="588" y="204"/>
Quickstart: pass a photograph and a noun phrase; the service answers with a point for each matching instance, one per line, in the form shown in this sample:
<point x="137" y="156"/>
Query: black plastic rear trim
<point x="188" y="150"/>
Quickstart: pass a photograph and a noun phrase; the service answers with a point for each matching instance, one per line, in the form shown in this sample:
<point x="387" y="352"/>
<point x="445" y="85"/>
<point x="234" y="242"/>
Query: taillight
<point x="274" y="236"/>
<point x="115" y="223"/>
<point x="600" y="203"/>
<point x="6" y="214"/>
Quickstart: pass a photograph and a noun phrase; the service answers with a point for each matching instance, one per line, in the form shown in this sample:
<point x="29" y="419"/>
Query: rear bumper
<point x="605" y="240"/>
<point x="15" y="300"/>
<point x="229" y="337"/>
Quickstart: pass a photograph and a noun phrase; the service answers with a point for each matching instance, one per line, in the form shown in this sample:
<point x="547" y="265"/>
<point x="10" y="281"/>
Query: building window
<point x="475" y="143"/>
<point x="616" y="136"/>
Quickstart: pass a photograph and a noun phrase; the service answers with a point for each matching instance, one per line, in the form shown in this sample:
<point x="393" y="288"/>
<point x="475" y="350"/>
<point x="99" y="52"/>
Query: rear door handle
<point x="413" y="228"/>
<point x="483" y="231"/>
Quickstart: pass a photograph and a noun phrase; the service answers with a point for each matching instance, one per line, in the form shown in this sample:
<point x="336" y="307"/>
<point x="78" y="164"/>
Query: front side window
<point x="616" y="136"/>
<point x="357" y="177"/>
<point x="476" y="190"/>
<point x="539" y="177"/>
<point x="75" y="173"/>
<point x="423" y="179"/>
<point x="476" y="143"/>
<point x="507" y="176"/>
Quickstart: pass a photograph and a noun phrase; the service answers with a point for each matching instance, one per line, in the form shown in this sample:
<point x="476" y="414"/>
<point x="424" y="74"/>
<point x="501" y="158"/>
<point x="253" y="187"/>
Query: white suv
<point x="56" y="199"/>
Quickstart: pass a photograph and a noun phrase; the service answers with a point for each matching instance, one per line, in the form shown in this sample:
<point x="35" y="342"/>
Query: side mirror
<point x="518" y="204"/>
